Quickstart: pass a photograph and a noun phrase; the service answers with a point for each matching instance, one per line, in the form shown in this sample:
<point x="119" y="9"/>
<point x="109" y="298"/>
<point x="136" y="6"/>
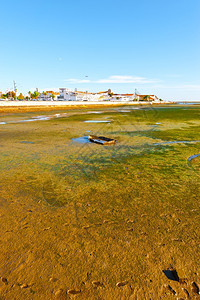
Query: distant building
<point x="148" y="98"/>
<point x="67" y="95"/>
<point x="48" y="96"/>
<point x="123" y="97"/>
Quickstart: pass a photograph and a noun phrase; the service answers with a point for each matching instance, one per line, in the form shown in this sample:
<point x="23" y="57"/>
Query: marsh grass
<point x="85" y="213"/>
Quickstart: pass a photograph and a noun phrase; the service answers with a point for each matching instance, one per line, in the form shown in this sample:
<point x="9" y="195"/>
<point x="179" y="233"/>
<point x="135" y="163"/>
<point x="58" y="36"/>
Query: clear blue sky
<point x="151" y="45"/>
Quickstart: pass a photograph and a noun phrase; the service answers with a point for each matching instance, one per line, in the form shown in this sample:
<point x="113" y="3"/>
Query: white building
<point x="67" y="95"/>
<point x="48" y="96"/>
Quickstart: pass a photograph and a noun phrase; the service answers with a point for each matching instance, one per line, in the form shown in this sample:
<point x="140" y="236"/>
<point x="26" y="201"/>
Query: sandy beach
<point x="15" y="106"/>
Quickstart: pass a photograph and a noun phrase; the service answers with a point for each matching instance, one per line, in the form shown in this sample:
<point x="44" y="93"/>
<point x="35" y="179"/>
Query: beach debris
<point x="59" y="292"/>
<point x="143" y="215"/>
<point x="177" y="240"/>
<point x="182" y="280"/>
<point x="87" y="226"/>
<point x="47" y="228"/>
<point x="73" y="292"/>
<point x="97" y="283"/>
<point x="130" y="229"/>
<point x="171" y="274"/>
<point x="195" y="288"/>
<point x="4" y="280"/>
<point x="186" y="292"/>
<point x="122" y="283"/>
<point x="23" y="286"/>
<point x="130" y="221"/>
<point x="53" y="279"/>
<point x="170" y="289"/>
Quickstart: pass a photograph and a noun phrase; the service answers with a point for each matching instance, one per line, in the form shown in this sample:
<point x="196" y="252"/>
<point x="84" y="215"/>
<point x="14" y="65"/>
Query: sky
<point x="149" y="45"/>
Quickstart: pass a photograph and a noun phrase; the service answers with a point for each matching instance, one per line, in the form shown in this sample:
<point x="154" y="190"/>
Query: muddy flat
<point x="80" y="220"/>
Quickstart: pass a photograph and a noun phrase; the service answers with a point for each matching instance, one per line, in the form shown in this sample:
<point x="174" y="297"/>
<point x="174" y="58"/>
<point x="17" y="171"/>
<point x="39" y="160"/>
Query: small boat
<point x="101" y="140"/>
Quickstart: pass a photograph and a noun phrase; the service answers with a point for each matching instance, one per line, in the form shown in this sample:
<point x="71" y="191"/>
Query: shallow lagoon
<point x="80" y="213"/>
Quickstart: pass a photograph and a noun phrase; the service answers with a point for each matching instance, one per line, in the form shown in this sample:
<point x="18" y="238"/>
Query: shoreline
<point x="29" y="106"/>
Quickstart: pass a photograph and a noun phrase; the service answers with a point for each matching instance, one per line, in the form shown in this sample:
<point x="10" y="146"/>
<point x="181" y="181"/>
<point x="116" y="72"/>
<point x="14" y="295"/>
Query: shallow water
<point x="124" y="110"/>
<point x="97" y="121"/>
<point x="94" y="112"/>
<point x="36" y="118"/>
<point x="81" y="140"/>
<point x="175" y="142"/>
<point x="193" y="156"/>
<point x="33" y="120"/>
<point x="26" y="142"/>
<point x="188" y="103"/>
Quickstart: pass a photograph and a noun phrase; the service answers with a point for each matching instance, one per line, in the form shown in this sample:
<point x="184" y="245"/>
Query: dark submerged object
<point x="171" y="274"/>
<point x="101" y="140"/>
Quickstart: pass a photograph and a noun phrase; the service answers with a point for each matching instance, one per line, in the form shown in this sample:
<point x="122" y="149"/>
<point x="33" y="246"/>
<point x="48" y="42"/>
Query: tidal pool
<point x="81" y="140"/>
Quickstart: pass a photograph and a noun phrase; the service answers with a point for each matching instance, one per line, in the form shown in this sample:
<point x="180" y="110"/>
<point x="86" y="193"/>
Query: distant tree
<point x="110" y="94"/>
<point x="11" y="95"/>
<point x="146" y="98"/>
<point x="53" y="96"/>
<point x="29" y="94"/>
<point x="35" y="95"/>
<point x="20" y="97"/>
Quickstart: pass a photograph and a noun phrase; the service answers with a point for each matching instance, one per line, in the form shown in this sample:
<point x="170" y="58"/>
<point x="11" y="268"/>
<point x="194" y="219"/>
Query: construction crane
<point x="15" y="89"/>
<point x="137" y="92"/>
